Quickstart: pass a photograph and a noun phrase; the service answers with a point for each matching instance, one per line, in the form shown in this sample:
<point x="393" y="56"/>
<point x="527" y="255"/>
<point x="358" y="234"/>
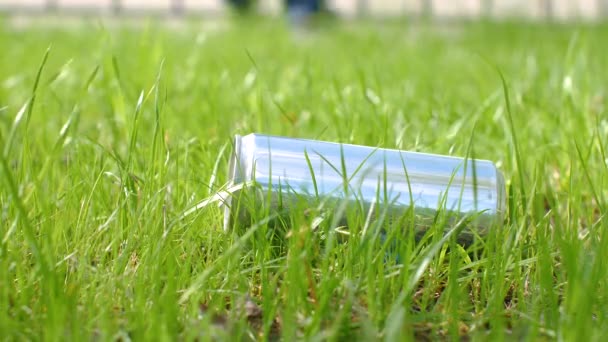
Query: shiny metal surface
<point x="429" y="182"/>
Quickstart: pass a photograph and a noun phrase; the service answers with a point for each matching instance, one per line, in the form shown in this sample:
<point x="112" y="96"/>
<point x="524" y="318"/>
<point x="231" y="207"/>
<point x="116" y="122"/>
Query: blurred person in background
<point x="242" y="6"/>
<point x="299" y="11"/>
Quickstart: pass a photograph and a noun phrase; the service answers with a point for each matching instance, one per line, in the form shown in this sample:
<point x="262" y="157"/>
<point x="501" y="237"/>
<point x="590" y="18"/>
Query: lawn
<point x="110" y="131"/>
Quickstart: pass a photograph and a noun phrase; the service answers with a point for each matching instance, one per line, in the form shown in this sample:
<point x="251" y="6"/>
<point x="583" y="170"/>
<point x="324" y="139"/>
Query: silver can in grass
<point x="276" y="170"/>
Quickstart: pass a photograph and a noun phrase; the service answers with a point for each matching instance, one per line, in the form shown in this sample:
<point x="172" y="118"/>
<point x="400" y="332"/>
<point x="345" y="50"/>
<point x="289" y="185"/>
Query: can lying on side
<point x="313" y="169"/>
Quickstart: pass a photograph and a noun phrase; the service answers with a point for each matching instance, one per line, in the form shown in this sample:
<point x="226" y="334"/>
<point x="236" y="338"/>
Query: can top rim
<point x="233" y="176"/>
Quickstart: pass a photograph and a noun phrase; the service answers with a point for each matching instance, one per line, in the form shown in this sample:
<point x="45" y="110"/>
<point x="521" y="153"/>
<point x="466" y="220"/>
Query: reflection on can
<point x="286" y="167"/>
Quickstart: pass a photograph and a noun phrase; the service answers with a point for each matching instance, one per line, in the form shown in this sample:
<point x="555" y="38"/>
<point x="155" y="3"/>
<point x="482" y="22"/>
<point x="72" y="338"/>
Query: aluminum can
<point x="280" y="168"/>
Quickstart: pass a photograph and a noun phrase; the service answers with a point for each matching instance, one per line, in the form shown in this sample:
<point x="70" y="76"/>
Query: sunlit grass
<point x="109" y="134"/>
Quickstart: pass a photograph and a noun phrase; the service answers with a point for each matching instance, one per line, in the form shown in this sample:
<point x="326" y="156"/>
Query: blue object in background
<point x="299" y="11"/>
<point x="309" y="6"/>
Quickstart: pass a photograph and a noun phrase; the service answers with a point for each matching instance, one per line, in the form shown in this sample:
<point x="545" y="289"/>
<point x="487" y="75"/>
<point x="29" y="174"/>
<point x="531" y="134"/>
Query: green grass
<point x="116" y="131"/>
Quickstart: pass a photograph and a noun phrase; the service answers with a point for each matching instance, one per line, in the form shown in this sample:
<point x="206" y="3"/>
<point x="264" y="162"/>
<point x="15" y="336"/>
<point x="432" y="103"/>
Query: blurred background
<point x="538" y="9"/>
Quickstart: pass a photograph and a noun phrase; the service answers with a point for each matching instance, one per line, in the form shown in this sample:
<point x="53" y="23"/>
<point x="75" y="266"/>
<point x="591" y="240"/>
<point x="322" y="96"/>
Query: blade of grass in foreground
<point x="520" y="164"/>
